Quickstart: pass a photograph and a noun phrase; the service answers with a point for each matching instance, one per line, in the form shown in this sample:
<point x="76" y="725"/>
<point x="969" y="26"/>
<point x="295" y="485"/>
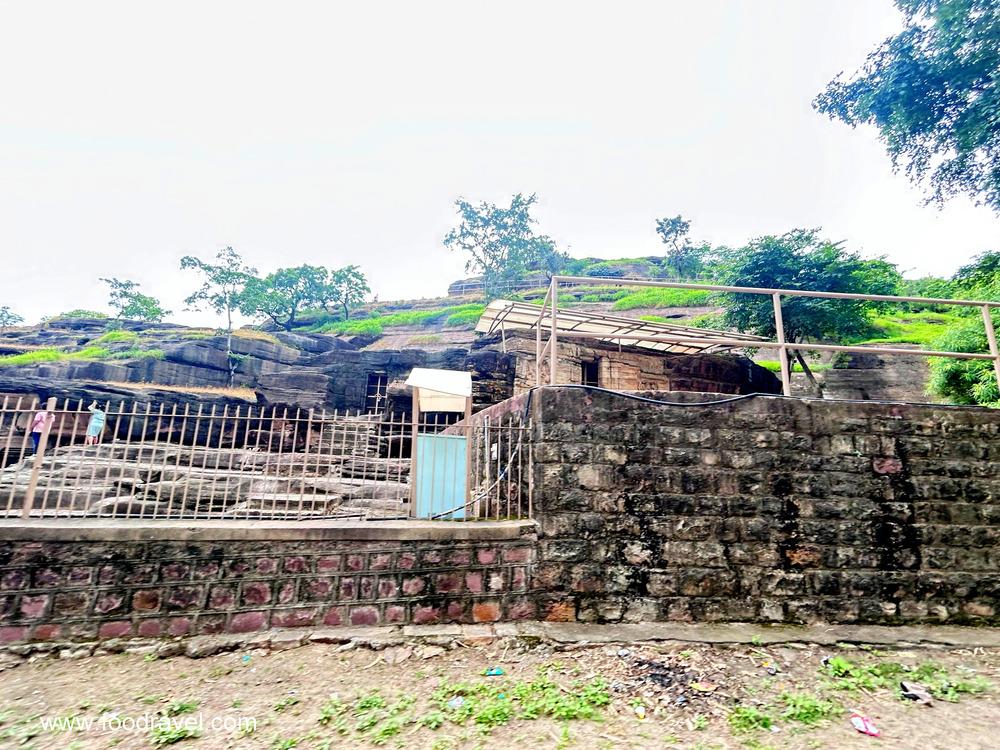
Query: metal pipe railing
<point x="780" y="343"/>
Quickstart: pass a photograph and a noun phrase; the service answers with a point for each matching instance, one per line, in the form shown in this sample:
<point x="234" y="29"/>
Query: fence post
<point x="991" y="337"/>
<point x="779" y="327"/>
<point x="36" y="464"/>
<point x="553" y="350"/>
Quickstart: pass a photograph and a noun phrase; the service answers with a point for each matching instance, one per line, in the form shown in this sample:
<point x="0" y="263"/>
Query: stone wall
<point x="633" y="370"/>
<point x="61" y="589"/>
<point x="766" y="509"/>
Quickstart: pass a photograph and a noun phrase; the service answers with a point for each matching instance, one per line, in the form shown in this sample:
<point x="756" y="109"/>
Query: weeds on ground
<point x="749" y="719"/>
<point x="164" y="734"/>
<point x="941" y="684"/>
<point x="180" y="707"/>
<point x="808" y="709"/>
<point x="480" y="706"/>
<point x="285" y="703"/>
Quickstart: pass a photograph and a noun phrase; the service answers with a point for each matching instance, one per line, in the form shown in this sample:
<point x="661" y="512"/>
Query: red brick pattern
<point x="86" y="590"/>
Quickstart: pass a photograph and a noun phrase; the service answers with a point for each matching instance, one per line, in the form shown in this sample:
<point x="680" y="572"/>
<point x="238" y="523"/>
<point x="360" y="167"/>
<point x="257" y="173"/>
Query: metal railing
<point x="551" y="302"/>
<point x="242" y="462"/>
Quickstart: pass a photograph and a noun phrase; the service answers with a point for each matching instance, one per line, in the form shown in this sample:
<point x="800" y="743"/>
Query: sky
<point x="333" y="133"/>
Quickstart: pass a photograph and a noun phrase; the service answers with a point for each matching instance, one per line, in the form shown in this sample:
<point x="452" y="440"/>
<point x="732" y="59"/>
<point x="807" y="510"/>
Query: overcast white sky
<point x="133" y="133"/>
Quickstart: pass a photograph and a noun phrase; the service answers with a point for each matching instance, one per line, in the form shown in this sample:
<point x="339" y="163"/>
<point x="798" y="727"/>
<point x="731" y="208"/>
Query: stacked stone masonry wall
<point x="766" y="509"/>
<point x="78" y="591"/>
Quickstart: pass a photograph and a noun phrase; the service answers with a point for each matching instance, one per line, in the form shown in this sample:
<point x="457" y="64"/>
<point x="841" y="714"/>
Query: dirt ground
<point x="436" y="697"/>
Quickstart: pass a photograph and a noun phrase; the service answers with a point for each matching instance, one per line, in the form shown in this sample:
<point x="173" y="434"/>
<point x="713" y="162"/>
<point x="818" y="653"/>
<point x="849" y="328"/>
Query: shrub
<point x="663" y="297"/>
<point x="964" y="381"/>
<point x="112" y="337"/>
<point x="137" y="353"/>
<point x="80" y="314"/>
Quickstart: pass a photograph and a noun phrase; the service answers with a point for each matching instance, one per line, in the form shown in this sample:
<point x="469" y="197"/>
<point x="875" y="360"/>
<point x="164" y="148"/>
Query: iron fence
<point x="245" y="463"/>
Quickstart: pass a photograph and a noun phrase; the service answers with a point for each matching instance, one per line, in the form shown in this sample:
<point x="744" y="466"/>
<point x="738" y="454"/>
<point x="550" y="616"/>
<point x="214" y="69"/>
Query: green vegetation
<point x="376" y="325"/>
<point x="36" y="357"/>
<point x="500" y="243"/>
<point x="808" y="709"/>
<point x="659" y="297"/>
<point x="481" y="706"/>
<point x="749" y="719"/>
<point x="427" y="338"/>
<point x="74" y="314"/>
<point x="909" y="328"/>
<point x="930" y="92"/>
<point x="131" y="304"/>
<point x="115" y="337"/>
<point x="180" y="707"/>
<point x="8" y="318"/>
<point x="168" y="734"/>
<point x="846" y="675"/>
<point x="138" y="353"/>
<point x="775" y="366"/>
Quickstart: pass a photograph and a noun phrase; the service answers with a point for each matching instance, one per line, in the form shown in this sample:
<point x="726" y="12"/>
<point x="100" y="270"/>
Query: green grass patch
<point x="32" y="358"/>
<point x="480" y="706"/>
<point x="456" y="315"/>
<point x="749" y="719"/>
<point x="910" y="328"/>
<point x="426" y="338"/>
<point x="808" y="709"/>
<point x="659" y="297"/>
<point x="138" y="353"/>
<point x="775" y="366"/>
<point x="114" y="337"/>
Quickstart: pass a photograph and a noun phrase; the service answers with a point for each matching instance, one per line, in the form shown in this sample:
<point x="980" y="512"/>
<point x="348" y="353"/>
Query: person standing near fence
<point x="43" y="418"/>
<point x="96" y="424"/>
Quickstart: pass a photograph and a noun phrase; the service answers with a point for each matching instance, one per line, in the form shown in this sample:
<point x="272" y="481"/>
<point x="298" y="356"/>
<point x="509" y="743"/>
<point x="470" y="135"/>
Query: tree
<point x="501" y="243"/>
<point x="800" y="260"/>
<point x="8" y="318"/>
<point x="933" y="93"/>
<point x="222" y="288"/>
<point x="348" y="288"/>
<point x="683" y="259"/>
<point x="282" y="295"/>
<point x="130" y="304"/>
<point x="969" y="381"/>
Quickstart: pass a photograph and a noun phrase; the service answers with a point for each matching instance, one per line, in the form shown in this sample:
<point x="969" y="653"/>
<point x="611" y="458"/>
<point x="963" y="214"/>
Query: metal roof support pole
<point x="538" y="354"/>
<point x="991" y="337"/>
<point x="779" y="327"/>
<point x="553" y="350"/>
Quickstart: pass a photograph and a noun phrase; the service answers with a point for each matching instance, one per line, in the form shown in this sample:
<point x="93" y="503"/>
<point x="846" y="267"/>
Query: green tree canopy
<point x="500" y="243"/>
<point x="223" y="284"/>
<point x="684" y="260"/>
<point x="970" y="381"/>
<point x="130" y="304"/>
<point x="282" y="295"/>
<point x="933" y="92"/>
<point x="801" y="260"/>
<point x="348" y="288"/>
<point x="8" y="318"/>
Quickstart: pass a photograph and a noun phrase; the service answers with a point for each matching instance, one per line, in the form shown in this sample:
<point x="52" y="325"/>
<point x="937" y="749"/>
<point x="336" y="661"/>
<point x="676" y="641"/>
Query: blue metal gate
<point x="441" y="474"/>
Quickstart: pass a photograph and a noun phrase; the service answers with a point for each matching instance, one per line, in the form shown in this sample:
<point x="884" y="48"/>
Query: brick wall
<point x="765" y="509"/>
<point x="79" y="590"/>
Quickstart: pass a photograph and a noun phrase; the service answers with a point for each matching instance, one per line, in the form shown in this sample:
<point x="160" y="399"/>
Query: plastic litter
<point x="864" y="725"/>
<point x="770" y="668"/>
<point x="623" y="652"/>
<point x="640" y="712"/>
<point x="457" y="702"/>
<point x="246" y="658"/>
<point x="493" y="672"/>
<point x="914" y="691"/>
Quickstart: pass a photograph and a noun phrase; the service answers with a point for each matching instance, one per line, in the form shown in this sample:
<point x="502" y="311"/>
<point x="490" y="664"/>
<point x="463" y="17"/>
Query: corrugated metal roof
<point x="513" y="316"/>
